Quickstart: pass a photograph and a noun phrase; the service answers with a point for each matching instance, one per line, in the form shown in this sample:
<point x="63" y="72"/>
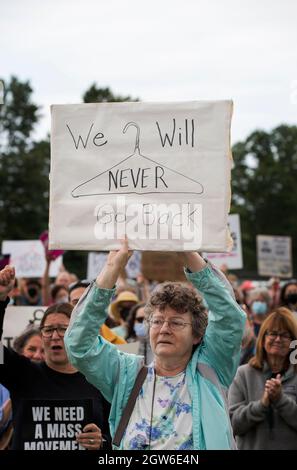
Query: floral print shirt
<point x="162" y="416"/>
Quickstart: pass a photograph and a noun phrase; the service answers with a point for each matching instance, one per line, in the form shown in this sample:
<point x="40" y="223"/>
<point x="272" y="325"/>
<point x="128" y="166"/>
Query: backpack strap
<point x="130" y="406"/>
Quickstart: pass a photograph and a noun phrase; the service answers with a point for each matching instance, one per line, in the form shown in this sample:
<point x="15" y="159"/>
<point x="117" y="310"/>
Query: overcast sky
<point x="157" y="50"/>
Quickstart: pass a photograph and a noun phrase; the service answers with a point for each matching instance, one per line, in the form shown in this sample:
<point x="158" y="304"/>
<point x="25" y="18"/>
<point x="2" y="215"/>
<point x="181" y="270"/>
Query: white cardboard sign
<point x="232" y="259"/>
<point x="96" y="262"/>
<point x="158" y="172"/>
<point x="274" y="256"/>
<point x="28" y="258"/>
<point x="17" y="319"/>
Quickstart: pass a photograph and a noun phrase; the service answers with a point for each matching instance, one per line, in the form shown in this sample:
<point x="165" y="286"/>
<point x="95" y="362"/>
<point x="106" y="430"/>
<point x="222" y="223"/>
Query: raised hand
<point x="273" y="387"/>
<point x="119" y="258"/>
<point x="7" y="280"/>
<point x="116" y="261"/>
<point x="192" y="260"/>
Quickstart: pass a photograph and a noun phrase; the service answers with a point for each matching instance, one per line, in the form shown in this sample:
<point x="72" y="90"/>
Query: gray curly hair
<point x="182" y="299"/>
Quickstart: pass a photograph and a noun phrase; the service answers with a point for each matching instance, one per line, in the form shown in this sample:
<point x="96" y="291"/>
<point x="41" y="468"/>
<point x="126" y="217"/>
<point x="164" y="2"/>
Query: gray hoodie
<point x="256" y="426"/>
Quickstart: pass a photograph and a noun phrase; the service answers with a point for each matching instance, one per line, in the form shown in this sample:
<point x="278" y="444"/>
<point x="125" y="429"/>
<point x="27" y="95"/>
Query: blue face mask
<point x="259" y="308"/>
<point x="140" y="329"/>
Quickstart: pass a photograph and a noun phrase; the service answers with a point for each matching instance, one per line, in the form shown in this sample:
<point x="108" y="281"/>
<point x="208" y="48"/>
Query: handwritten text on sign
<point x="158" y="172"/>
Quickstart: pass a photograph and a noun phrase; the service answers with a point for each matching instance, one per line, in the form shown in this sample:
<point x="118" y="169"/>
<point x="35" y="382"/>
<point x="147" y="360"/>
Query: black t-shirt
<point x="50" y="407"/>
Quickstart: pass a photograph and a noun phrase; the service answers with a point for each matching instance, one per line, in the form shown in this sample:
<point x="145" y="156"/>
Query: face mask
<point x="63" y="300"/>
<point x="292" y="298"/>
<point x="32" y="291"/>
<point x="140" y="329"/>
<point x="259" y="308"/>
<point x="124" y="312"/>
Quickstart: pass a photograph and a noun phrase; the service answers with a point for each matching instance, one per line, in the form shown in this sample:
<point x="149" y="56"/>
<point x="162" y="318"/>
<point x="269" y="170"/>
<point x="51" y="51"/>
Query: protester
<point x="47" y="395"/>
<point x="30" y="293"/>
<point x="248" y="344"/>
<point x="180" y="403"/>
<point x="6" y="428"/>
<point x="120" y="309"/>
<point x="76" y="290"/>
<point x="59" y="294"/>
<point x="288" y="296"/>
<point x="29" y="344"/>
<point x="137" y="330"/>
<point x="262" y="396"/>
<point x="274" y="291"/>
<point x="259" y="302"/>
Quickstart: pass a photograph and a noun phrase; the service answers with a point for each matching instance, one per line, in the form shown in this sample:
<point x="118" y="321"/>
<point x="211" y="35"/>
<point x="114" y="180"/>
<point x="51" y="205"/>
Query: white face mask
<point x="63" y="299"/>
<point x="140" y="329"/>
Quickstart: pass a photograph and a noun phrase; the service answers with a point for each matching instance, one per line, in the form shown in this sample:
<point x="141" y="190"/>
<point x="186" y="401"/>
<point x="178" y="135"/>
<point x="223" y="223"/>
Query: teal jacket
<point x="209" y="372"/>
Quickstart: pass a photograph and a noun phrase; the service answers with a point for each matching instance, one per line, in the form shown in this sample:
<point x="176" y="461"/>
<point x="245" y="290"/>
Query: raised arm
<point x="46" y="295"/>
<point x="7" y="280"/>
<point x="15" y="367"/>
<point x="221" y="344"/>
<point x="100" y="361"/>
<point x="116" y="261"/>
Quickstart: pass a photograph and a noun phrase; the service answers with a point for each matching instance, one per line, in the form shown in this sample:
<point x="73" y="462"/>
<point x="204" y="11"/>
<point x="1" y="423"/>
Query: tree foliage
<point x="24" y="166"/>
<point x="18" y="115"/>
<point x="264" y="187"/>
<point x="103" y="95"/>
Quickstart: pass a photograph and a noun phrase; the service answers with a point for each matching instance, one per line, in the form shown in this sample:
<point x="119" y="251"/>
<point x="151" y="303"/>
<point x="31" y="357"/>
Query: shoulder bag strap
<point x="130" y="406"/>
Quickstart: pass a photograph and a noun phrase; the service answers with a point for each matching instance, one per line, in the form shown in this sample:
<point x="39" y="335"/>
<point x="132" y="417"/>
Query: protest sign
<point x="233" y="258"/>
<point x="274" y="256"/>
<point x="28" y="258"/>
<point x="158" y="172"/>
<point x="17" y="319"/>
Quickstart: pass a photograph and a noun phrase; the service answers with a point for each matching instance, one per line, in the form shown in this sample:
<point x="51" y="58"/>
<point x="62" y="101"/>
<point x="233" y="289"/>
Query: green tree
<point x="103" y="95"/>
<point x="18" y="116"/>
<point x="24" y="166"/>
<point x="264" y="188"/>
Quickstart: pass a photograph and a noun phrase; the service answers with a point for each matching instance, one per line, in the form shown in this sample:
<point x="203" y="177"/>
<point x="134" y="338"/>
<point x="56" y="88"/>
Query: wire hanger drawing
<point x="140" y="162"/>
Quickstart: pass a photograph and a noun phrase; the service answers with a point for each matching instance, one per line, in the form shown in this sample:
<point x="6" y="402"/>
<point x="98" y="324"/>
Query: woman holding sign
<point x="178" y="401"/>
<point x="54" y="407"/>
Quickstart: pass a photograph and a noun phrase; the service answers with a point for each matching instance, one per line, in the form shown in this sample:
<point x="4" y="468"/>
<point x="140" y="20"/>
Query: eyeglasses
<point x="174" y="324"/>
<point x="275" y="334"/>
<point x="48" y="331"/>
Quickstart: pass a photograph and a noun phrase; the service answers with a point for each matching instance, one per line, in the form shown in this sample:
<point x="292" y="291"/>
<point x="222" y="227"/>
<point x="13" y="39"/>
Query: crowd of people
<point x="214" y="367"/>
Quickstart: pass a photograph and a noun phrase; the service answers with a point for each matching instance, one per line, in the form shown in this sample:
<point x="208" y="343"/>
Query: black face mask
<point x="124" y="312"/>
<point x="32" y="291"/>
<point x="292" y="298"/>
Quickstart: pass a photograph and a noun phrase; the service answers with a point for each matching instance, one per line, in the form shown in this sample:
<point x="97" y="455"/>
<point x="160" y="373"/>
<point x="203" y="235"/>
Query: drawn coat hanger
<point x="138" y="174"/>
